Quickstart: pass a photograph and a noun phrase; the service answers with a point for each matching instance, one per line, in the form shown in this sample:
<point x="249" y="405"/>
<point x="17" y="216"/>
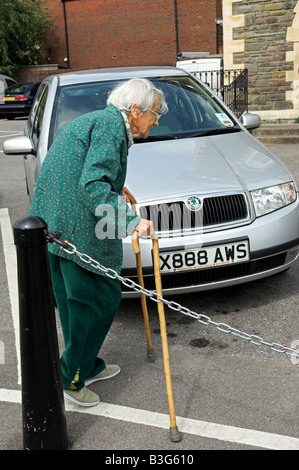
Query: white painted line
<point x="10" y="396"/>
<point x="249" y="437"/>
<point x="10" y="257"/>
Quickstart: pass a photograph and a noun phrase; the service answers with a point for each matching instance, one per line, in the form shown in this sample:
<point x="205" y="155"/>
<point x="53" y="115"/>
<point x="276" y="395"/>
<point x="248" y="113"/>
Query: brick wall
<point x="37" y="73"/>
<point x="196" y="25"/>
<point x="118" y="33"/>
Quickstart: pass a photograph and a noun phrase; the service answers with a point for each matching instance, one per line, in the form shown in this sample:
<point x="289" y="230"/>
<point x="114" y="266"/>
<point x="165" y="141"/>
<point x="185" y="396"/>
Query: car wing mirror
<point x="18" y="146"/>
<point x="251" y="121"/>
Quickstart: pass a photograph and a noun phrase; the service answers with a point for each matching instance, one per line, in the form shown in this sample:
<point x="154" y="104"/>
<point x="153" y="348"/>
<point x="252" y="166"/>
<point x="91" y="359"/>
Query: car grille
<point x="172" y="216"/>
<point x="209" y="276"/>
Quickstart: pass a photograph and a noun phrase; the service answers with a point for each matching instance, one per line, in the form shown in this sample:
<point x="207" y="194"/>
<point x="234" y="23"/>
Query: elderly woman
<point x="82" y="176"/>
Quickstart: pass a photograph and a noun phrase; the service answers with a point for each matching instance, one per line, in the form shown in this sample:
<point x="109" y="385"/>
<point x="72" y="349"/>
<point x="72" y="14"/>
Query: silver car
<point x="224" y="207"/>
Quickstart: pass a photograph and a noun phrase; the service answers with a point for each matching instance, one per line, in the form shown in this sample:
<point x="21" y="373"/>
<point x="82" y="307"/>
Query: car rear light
<point x="21" y="98"/>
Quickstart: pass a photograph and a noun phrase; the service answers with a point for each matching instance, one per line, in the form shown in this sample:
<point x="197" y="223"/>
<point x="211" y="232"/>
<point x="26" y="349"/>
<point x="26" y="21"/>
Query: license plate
<point x="9" y="98"/>
<point x="204" y="257"/>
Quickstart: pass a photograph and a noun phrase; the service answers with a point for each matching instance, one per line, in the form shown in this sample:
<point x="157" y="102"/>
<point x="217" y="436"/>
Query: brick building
<point x="259" y="35"/>
<point x="113" y="33"/>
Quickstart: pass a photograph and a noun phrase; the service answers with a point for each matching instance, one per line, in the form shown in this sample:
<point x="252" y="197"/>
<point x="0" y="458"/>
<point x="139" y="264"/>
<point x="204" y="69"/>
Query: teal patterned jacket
<point x="79" y="188"/>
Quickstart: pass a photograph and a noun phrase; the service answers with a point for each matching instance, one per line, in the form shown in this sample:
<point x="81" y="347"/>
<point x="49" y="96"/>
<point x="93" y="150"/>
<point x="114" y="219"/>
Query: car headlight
<point x="270" y="199"/>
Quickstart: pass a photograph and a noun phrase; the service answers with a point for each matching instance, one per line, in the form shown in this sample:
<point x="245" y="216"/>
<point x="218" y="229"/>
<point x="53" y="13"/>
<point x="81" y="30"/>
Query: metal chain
<point x="153" y="295"/>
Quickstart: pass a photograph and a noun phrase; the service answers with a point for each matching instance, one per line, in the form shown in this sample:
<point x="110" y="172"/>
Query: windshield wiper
<point x="222" y="130"/>
<point x="206" y="132"/>
<point x="154" y="138"/>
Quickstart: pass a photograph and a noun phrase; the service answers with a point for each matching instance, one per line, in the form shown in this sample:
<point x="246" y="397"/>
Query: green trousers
<point x="87" y="304"/>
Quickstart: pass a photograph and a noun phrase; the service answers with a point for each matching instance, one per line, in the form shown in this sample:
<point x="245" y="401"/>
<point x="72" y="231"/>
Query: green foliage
<point x="23" y="30"/>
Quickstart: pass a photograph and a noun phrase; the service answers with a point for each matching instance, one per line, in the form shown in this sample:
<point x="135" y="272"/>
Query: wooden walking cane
<point x="175" y="435"/>
<point x="135" y="242"/>
<point x="136" y="248"/>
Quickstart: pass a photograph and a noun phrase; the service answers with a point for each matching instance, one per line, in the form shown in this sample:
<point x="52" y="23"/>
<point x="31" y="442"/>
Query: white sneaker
<point x="111" y="370"/>
<point x="82" y="397"/>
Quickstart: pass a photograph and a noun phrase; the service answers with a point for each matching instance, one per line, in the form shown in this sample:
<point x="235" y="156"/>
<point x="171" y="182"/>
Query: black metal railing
<point x="230" y="85"/>
<point x="235" y="91"/>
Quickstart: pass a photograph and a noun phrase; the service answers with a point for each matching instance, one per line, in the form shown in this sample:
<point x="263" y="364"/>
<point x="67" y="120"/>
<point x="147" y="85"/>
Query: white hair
<point x="137" y="90"/>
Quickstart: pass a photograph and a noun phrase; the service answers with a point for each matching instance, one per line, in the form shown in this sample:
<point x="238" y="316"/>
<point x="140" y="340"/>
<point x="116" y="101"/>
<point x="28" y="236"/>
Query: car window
<point x="38" y="117"/>
<point x="35" y="105"/>
<point x="10" y="82"/>
<point x="16" y="89"/>
<point x="76" y="100"/>
<point x="19" y="88"/>
<point x="193" y="109"/>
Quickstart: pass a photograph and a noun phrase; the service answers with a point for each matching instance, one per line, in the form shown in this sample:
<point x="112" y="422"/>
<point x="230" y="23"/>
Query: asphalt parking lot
<point x="229" y="393"/>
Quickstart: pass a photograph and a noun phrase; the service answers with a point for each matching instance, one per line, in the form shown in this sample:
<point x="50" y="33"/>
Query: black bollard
<point x="44" y="422"/>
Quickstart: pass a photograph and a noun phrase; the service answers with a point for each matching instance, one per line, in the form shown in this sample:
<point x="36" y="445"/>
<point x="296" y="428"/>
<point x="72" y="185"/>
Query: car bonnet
<point x="201" y="165"/>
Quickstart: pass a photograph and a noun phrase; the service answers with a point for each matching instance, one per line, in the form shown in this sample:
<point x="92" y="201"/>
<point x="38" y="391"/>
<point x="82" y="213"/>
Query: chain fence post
<point x="43" y="413"/>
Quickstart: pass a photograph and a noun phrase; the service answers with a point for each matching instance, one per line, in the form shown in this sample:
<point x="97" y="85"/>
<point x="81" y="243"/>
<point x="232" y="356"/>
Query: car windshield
<point x="193" y="109"/>
<point x="19" y="88"/>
